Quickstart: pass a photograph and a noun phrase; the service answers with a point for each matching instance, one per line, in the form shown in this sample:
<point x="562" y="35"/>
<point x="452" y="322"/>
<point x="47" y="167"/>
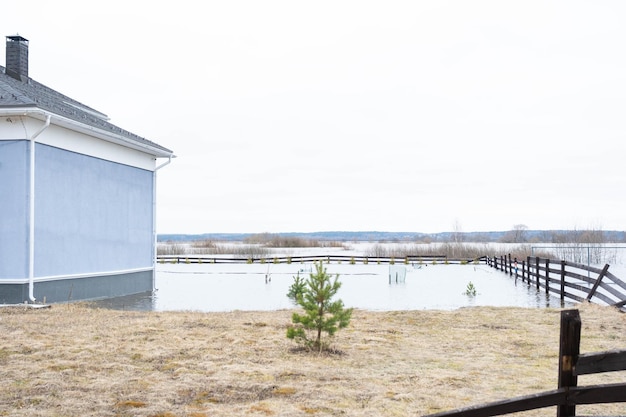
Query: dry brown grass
<point x="72" y="360"/>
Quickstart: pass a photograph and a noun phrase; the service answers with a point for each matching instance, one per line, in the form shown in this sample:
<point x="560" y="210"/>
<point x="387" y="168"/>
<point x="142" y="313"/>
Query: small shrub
<point x="470" y="290"/>
<point x="171" y="248"/>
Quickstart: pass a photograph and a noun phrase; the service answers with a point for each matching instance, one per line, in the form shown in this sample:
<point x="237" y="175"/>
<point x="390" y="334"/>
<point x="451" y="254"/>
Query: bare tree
<point x="516" y="235"/>
<point x="519" y="233"/>
<point x="457" y="232"/>
<point x="457" y="238"/>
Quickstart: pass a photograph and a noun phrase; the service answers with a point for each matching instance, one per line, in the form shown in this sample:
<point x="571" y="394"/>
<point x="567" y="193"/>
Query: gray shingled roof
<point x="29" y="93"/>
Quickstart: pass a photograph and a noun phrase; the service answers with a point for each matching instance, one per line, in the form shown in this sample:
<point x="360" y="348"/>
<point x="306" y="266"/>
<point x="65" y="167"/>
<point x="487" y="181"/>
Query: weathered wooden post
<point x="562" y="281"/>
<point x="569" y="348"/>
<point x="537" y="271"/>
<point x="509" y="262"/>
<point x="547" y="275"/>
<point x="523" y="270"/>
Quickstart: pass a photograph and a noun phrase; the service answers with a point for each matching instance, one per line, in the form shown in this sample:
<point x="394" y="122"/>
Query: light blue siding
<point x="14" y="188"/>
<point x="91" y="215"/>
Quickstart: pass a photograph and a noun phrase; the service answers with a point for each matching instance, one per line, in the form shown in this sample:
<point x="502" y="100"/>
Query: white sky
<point x="294" y="116"/>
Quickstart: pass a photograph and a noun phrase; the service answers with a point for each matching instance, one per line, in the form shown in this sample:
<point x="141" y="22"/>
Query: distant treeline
<point x="518" y="235"/>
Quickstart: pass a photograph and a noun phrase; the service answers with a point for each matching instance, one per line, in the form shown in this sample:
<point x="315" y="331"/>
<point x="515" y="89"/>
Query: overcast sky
<point x="294" y="116"/>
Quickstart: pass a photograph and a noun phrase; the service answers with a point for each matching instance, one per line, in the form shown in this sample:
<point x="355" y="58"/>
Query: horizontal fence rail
<point x="568" y="394"/>
<point x="407" y="260"/>
<point x="567" y="280"/>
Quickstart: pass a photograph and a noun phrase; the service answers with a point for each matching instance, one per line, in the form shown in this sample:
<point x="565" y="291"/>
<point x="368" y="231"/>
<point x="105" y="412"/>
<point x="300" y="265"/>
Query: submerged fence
<point x="407" y="260"/>
<point x="565" y="279"/>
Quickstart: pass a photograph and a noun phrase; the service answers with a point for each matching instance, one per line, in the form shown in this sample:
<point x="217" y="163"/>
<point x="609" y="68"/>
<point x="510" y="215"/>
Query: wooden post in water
<point x="569" y="348"/>
<point x="562" y="281"/>
<point x="547" y="275"/>
<point x="523" y="270"/>
<point x="509" y="262"/>
<point x="537" y="271"/>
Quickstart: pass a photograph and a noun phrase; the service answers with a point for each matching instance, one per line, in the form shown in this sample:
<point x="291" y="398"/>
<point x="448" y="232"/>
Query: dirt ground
<point x="72" y="360"/>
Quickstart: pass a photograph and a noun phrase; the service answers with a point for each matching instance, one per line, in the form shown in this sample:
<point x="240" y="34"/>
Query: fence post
<point x="547" y="276"/>
<point x="537" y="271"/>
<point x="569" y="348"/>
<point x="562" y="281"/>
<point x="523" y="270"/>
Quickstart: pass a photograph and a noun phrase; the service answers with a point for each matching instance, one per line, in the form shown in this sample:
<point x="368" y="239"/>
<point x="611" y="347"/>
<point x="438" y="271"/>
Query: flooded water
<point x="262" y="287"/>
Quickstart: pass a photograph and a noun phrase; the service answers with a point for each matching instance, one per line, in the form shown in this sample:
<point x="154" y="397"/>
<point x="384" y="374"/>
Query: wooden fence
<point x="568" y="394"/>
<point x="408" y="260"/>
<point x="569" y="280"/>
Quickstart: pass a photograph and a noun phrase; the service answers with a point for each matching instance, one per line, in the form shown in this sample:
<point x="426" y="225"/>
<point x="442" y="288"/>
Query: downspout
<point x="31" y="223"/>
<point x="154" y="232"/>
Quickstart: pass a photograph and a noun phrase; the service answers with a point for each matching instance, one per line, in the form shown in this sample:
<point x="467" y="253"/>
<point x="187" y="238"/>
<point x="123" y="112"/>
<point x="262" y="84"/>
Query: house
<point x="77" y="195"/>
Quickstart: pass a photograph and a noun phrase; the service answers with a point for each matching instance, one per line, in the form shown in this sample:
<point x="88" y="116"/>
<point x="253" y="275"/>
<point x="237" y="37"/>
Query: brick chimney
<point x="17" y="57"/>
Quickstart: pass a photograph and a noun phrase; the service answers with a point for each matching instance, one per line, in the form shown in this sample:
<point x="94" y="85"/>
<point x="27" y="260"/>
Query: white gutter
<point x="31" y="222"/>
<point x="154" y="231"/>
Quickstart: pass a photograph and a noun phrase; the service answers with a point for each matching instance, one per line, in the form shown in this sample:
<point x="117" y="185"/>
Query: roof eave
<point x="102" y="134"/>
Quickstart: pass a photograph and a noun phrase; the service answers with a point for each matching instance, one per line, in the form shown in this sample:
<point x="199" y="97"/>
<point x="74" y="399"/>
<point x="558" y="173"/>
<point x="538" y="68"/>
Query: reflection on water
<point x="257" y="287"/>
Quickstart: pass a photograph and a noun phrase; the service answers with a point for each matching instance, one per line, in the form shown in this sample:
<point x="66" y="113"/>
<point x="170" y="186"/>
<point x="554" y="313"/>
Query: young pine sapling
<point x="321" y="313"/>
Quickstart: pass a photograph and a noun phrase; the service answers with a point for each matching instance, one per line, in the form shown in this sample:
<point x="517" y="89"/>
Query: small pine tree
<point x="296" y="289"/>
<point x="321" y="314"/>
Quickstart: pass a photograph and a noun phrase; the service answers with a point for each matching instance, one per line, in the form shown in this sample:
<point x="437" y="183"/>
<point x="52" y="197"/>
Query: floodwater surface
<point x="262" y="287"/>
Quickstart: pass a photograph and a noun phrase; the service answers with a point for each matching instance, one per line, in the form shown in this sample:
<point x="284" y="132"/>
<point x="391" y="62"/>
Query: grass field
<point x="72" y="360"/>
